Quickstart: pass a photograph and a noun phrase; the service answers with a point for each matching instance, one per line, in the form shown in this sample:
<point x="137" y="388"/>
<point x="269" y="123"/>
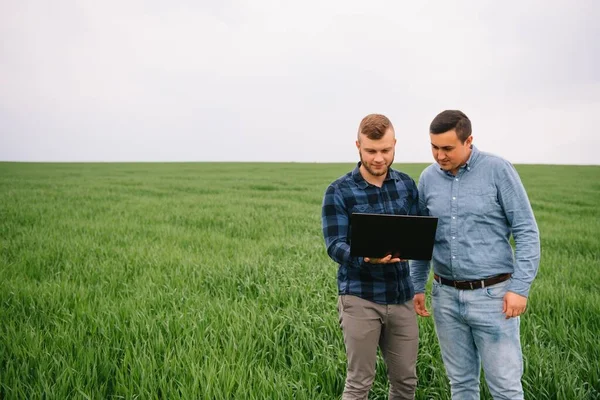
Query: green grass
<point x="211" y="281"/>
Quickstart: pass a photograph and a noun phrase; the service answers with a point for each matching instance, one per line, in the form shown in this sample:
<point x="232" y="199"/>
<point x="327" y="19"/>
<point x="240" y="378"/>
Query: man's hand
<point x="385" y="260"/>
<point x="514" y="305"/>
<point x="419" y="304"/>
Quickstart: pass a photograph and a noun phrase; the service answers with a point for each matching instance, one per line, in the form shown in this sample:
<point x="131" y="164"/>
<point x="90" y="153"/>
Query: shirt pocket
<point x="366" y="209"/>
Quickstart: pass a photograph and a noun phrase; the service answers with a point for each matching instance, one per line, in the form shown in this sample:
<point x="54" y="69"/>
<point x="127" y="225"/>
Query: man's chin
<point x="378" y="172"/>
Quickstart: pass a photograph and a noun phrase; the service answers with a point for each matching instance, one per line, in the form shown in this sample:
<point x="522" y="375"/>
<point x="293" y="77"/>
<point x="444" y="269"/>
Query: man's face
<point x="377" y="155"/>
<point x="448" y="151"/>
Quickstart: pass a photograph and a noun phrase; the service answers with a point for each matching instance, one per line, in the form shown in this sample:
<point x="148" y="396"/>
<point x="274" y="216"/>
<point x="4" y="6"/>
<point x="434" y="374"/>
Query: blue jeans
<point x="472" y="330"/>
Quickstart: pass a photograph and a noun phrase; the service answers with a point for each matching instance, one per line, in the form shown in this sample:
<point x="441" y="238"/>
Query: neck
<point x="462" y="164"/>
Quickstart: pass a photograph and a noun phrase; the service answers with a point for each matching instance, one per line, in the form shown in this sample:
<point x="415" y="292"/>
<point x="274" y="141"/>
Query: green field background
<point x="211" y="281"/>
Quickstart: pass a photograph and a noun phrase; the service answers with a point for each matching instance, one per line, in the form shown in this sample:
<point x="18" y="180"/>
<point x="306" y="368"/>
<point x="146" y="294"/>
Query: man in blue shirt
<point x="480" y="285"/>
<point x="375" y="295"/>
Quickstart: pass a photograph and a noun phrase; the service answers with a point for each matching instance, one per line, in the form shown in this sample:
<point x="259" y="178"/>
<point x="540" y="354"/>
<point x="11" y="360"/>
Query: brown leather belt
<point x="471" y="285"/>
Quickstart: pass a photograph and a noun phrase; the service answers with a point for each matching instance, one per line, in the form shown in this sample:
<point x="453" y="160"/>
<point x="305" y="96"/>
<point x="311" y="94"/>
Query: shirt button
<point x="453" y="257"/>
<point x="456" y="179"/>
<point x="453" y="217"/>
<point x="453" y="237"/>
<point x="453" y="198"/>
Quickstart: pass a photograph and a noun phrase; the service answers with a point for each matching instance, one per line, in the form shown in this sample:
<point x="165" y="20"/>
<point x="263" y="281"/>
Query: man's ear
<point x="357" y="144"/>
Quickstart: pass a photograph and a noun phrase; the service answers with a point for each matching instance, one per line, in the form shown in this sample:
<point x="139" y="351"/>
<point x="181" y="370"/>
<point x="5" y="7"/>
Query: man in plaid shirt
<point x="375" y="295"/>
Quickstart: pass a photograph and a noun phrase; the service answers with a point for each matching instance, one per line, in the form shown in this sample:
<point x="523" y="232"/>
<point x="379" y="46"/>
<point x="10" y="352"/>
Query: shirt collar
<point x="363" y="184"/>
<point x="472" y="158"/>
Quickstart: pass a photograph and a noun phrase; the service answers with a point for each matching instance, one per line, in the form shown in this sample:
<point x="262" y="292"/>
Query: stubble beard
<point x="375" y="173"/>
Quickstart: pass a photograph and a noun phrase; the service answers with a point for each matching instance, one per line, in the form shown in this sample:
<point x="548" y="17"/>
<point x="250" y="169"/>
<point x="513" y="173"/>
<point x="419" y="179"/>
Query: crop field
<point x="211" y="281"/>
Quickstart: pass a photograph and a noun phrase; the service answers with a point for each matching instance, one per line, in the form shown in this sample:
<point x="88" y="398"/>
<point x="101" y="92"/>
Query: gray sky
<point x="133" y="80"/>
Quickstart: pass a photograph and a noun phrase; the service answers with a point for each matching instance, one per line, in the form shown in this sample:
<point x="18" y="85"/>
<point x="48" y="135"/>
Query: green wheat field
<point x="211" y="281"/>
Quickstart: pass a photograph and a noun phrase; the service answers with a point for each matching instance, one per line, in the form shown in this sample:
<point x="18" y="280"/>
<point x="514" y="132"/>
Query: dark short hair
<point x="452" y="119"/>
<point x="374" y="126"/>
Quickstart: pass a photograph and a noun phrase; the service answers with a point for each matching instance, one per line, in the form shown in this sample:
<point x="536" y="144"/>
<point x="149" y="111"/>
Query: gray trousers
<point x="393" y="328"/>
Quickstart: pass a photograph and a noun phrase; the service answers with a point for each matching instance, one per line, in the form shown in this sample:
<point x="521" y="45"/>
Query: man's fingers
<point x="518" y="311"/>
<point x="385" y="260"/>
<point x="514" y="312"/>
<point x="510" y="311"/>
<point x="514" y="305"/>
<point x="419" y="305"/>
<point x="422" y="311"/>
<point x="419" y="308"/>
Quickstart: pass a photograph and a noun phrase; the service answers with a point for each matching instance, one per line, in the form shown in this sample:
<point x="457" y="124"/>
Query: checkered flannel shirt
<point x="380" y="283"/>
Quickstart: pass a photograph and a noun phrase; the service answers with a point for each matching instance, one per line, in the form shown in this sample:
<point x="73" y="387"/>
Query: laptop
<point x="408" y="237"/>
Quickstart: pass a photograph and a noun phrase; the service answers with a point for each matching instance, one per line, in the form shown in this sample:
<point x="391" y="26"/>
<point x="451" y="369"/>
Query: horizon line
<point x="256" y="162"/>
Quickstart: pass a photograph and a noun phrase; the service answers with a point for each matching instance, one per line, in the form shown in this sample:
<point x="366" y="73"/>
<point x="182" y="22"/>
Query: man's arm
<point x="414" y="199"/>
<point x="419" y="269"/>
<point x="335" y="222"/>
<point x="516" y="206"/>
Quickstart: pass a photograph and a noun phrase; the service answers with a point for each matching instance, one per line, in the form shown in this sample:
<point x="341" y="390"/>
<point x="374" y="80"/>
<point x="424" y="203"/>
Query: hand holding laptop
<point x="385" y="260"/>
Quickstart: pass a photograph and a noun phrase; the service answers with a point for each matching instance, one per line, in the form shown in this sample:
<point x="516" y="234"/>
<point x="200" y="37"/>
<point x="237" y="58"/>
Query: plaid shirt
<point x="380" y="283"/>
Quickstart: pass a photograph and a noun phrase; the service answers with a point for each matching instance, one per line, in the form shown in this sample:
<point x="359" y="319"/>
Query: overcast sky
<point x="133" y="80"/>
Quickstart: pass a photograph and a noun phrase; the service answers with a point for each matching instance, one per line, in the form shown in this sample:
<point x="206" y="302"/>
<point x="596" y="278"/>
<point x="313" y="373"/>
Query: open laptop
<point x="408" y="237"/>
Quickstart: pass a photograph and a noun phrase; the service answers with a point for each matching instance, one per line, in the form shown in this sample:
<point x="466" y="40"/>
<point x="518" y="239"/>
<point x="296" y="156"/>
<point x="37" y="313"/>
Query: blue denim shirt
<point x="478" y="210"/>
<point x="380" y="283"/>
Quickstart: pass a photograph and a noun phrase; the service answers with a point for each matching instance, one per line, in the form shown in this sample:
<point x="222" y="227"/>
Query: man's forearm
<point x="527" y="260"/>
<point x="419" y="272"/>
